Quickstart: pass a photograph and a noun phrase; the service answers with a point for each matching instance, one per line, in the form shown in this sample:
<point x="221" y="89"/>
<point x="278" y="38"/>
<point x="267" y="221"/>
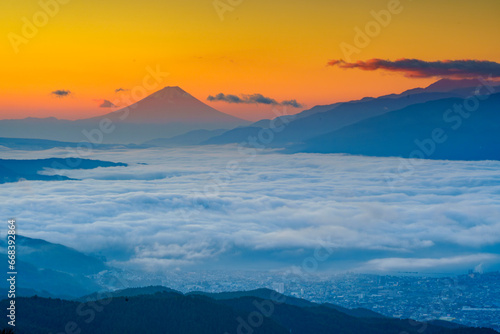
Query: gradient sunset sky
<point x="278" y="48"/>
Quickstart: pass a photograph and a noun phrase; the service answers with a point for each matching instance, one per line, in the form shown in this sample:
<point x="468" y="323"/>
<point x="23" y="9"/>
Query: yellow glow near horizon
<point x="276" y="48"/>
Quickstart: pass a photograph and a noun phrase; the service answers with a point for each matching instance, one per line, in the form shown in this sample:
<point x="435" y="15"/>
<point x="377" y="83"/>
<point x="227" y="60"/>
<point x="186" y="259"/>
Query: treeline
<point x="174" y="313"/>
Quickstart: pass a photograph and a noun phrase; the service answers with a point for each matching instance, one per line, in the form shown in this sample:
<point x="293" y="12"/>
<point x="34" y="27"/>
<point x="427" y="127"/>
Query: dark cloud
<point x="61" y="93"/>
<point x="120" y="90"/>
<point x="251" y="99"/>
<point x="259" y="98"/>
<point x="226" y="98"/>
<point x="107" y="104"/>
<point x="416" y="68"/>
<point x="291" y="103"/>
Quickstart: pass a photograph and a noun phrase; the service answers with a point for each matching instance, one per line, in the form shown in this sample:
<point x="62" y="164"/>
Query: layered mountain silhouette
<point x="31" y="144"/>
<point x="159" y="310"/>
<point x="266" y="293"/>
<point x="441" y="129"/>
<point x="324" y="119"/>
<point x="168" y="112"/>
<point x="447" y="85"/>
<point x="385" y="126"/>
<point x="50" y="269"/>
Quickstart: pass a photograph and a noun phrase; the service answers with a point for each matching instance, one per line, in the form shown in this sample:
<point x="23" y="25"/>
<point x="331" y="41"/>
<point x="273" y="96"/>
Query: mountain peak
<point x="446" y="85"/>
<point x="172" y="88"/>
<point x="170" y="92"/>
<point x="172" y="104"/>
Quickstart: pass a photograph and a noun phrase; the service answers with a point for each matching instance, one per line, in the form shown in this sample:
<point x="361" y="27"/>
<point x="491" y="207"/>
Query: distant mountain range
<point x="303" y="127"/>
<point x="168" y="112"/>
<point x="29" y="144"/>
<point x="401" y="125"/>
<point x="429" y="130"/>
<point x="321" y="120"/>
<point x="390" y="125"/>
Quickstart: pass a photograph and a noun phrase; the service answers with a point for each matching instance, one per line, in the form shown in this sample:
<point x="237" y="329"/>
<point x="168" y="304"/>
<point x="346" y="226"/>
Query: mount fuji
<point x="168" y="112"/>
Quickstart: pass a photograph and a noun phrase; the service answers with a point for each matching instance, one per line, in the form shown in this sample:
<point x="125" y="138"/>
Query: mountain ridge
<point x="167" y="112"/>
<point x="403" y="132"/>
<point x="173" y="313"/>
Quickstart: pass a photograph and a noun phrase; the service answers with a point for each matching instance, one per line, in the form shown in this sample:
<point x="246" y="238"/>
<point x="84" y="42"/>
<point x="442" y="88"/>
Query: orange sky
<point x="277" y="48"/>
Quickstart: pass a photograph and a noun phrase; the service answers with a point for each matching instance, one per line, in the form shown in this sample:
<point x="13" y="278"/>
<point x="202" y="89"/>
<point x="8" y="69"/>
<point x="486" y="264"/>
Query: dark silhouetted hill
<point x="16" y="170"/>
<point x="50" y="269"/>
<point x="171" y="312"/>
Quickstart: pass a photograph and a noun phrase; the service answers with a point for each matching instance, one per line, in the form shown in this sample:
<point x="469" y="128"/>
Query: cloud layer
<point x="187" y="209"/>
<point x="416" y="68"/>
<point x="252" y="99"/>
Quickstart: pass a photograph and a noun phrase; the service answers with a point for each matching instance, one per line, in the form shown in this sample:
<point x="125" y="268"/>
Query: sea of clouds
<point x="220" y="207"/>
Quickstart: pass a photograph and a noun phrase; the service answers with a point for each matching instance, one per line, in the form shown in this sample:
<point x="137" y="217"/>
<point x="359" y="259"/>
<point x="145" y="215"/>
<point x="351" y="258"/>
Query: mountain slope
<point x="52" y="269"/>
<point x="166" y="113"/>
<point x="303" y="128"/>
<point x="159" y="313"/>
<point x="317" y="121"/>
<point x="258" y="293"/>
<point x="172" y="313"/>
<point x="170" y="105"/>
<point x="321" y="319"/>
<point x="432" y="128"/>
<point x="129" y="292"/>
<point x="355" y="312"/>
<point x="268" y="294"/>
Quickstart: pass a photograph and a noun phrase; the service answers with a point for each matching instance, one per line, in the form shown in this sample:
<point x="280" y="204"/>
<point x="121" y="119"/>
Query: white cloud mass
<point x="212" y="207"/>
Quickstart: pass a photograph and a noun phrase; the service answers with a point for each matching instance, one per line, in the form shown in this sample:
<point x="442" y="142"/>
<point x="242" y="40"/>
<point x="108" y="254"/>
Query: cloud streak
<point x="61" y="93"/>
<point x="291" y="103"/>
<point x="392" y="264"/>
<point x="416" y="68"/>
<point x="252" y="99"/>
